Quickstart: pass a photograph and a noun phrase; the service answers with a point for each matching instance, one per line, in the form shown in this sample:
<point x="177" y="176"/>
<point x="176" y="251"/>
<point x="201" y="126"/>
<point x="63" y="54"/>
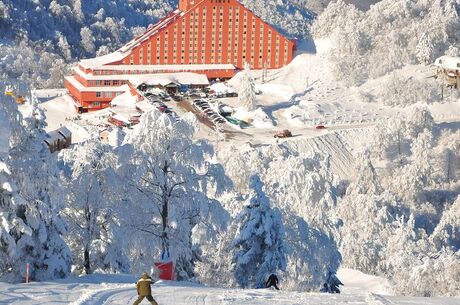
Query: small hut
<point x="448" y="68"/>
<point x="59" y="139"/>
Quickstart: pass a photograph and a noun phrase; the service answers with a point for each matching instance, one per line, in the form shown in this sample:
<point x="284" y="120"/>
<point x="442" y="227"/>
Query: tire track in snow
<point x="105" y="296"/>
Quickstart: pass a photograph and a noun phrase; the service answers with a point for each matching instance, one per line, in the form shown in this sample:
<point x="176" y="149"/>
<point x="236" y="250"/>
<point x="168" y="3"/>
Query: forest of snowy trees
<point x="388" y="36"/>
<point x="96" y="208"/>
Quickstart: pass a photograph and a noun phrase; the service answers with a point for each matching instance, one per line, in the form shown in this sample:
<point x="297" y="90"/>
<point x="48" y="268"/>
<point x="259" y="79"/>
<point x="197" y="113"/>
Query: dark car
<point x="162" y="108"/>
<point x="320" y="127"/>
<point x="283" y="134"/>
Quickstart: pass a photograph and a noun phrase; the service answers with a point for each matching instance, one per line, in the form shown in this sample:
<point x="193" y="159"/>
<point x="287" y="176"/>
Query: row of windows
<point x="107" y="94"/>
<point x="99" y="83"/>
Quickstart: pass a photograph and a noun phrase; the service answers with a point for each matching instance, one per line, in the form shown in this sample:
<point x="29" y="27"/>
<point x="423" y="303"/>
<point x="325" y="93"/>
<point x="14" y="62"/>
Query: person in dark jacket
<point x="272" y="281"/>
<point x="144" y="290"/>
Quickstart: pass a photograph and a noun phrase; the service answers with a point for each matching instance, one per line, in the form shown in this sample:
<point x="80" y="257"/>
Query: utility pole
<point x="264" y="72"/>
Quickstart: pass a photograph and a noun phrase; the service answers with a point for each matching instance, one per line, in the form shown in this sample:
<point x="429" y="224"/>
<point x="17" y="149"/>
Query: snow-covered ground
<point x="119" y="289"/>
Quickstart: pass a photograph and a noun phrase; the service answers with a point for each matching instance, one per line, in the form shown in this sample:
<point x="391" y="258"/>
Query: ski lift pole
<point x="27" y="272"/>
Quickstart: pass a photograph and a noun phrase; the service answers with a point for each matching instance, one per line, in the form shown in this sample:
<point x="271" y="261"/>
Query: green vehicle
<point x="233" y="121"/>
<point x="237" y="122"/>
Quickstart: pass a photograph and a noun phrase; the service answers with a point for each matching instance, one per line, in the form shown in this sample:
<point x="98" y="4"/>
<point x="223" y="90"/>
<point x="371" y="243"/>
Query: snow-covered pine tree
<point x="333" y="282"/>
<point x="247" y="92"/>
<point x="425" y="49"/>
<point x="36" y="226"/>
<point x="92" y="213"/>
<point x="447" y="232"/>
<point x="419" y="121"/>
<point x="11" y="226"/>
<point x="258" y="244"/>
<point x="8" y="199"/>
<point x="35" y="174"/>
<point x="366" y="181"/>
<point x="87" y="40"/>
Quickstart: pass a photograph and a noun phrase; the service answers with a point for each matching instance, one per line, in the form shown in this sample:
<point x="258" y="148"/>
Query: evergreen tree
<point x="36" y="201"/>
<point x="259" y="248"/>
<point x="425" y="49"/>
<point x="247" y="93"/>
<point x="366" y="181"/>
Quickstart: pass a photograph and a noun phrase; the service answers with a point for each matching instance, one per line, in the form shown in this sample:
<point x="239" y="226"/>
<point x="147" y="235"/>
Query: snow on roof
<point x="65" y="132"/>
<point x="221" y="88"/>
<point x="121" y="118"/>
<point x="448" y="62"/>
<point x="53" y="136"/>
<point x="82" y="88"/>
<point x="144" y="106"/>
<point x="163" y="79"/>
<point x="124" y="100"/>
<point x="103" y="60"/>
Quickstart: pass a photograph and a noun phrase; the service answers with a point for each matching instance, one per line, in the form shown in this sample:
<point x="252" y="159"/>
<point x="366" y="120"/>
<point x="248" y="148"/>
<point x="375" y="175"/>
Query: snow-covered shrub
<point x="400" y="90"/>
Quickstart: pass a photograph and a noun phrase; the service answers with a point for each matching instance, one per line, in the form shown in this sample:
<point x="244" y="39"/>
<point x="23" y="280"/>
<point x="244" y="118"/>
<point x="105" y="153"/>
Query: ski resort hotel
<point x="211" y="37"/>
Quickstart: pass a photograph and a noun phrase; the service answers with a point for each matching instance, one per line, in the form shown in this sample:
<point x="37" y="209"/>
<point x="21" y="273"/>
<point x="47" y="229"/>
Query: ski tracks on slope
<point x="113" y="294"/>
<point x="377" y="299"/>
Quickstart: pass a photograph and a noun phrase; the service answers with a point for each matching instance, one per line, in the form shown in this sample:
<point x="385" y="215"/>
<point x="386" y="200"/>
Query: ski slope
<point x="119" y="289"/>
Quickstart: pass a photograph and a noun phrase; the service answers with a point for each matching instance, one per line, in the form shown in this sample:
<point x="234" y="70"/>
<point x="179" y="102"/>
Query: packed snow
<point x="119" y="289"/>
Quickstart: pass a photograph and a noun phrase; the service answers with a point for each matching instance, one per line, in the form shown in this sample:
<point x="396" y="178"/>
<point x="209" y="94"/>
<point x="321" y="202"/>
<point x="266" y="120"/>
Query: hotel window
<point x="98" y="83"/>
<point x="108" y="94"/>
<point x="96" y="104"/>
<point x="98" y="94"/>
<point x="115" y="82"/>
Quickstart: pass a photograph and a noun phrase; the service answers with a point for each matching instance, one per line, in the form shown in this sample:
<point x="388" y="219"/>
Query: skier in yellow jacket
<point x="144" y="290"/>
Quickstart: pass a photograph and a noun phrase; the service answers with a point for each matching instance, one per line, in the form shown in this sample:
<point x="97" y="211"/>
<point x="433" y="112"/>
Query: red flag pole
<point x="27" y="273"/>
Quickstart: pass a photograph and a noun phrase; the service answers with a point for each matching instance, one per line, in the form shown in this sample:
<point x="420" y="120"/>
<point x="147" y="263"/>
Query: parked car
<point x="283" y="134"/>
<point x="320" y="127"/>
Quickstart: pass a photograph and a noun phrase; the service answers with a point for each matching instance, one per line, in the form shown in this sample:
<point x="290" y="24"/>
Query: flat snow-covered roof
<point x="448" y="62"/>
<point x="110" y="58"/>
<point x="82" y="88"/>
